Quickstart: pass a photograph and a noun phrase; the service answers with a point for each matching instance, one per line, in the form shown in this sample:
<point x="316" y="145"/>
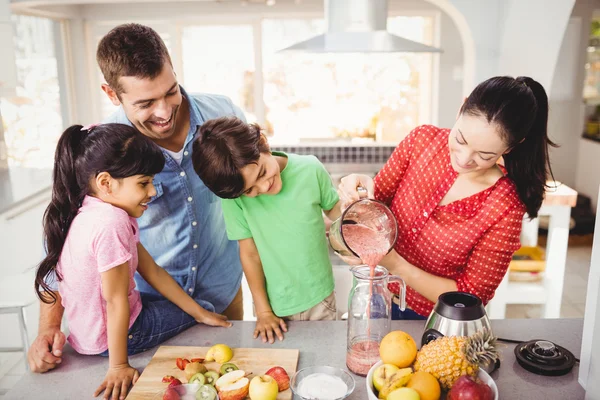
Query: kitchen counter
<point x="21" y="184"/>
<point x="324" y="343"/>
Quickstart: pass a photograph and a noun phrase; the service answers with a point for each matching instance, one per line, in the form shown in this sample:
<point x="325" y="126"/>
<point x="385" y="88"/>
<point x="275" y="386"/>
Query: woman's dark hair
<point x="82" y="154"/>
<point x="224" y="146"/>
<point x="519" y="106"/>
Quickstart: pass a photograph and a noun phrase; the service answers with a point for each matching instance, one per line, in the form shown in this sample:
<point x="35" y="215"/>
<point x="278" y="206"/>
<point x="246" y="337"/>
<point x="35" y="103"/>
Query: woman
<point x="459" y="213"/>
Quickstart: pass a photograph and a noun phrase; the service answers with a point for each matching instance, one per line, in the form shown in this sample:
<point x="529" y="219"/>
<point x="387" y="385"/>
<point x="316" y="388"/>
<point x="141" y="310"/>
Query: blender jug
<point x="369" y="315"/>
<point x="369" y="213"/>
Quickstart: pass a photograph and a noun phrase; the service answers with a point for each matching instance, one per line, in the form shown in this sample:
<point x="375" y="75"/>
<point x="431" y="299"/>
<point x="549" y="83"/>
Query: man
<point x="183" y="228"/>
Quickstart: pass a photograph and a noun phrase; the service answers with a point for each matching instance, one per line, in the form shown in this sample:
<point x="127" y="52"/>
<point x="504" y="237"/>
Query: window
<point x="224" y="66"/>
<point x="322" y="96"/>
<point x="32" y="119"/>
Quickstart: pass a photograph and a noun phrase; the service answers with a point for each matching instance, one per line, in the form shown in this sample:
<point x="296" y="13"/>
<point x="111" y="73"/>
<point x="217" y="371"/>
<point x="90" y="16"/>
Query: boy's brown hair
<point x="223" y="147"/>
<point x="131" y="50"/>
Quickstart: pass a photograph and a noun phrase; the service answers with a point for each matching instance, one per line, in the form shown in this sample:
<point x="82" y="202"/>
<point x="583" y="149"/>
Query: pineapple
<point x="448" y="358"/>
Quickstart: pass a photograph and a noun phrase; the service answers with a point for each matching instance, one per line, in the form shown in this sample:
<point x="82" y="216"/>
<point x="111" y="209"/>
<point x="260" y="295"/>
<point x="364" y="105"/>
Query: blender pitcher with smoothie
<point x="367" y="231"/>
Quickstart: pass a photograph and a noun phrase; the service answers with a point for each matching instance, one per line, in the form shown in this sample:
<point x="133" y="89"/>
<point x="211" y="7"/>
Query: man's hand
<point x="269" y="325"/>
<point x="117" y="381"/>
<point x="45" y="352"/>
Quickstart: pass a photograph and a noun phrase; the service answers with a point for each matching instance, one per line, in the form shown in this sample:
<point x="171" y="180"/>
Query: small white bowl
<point x="332" y="371"/>
<point x="484" y="376"/>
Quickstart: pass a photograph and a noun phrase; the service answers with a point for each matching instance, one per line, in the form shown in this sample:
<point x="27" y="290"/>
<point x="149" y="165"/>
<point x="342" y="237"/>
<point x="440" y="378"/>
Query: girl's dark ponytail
<point x="66" y="198"/>
<point x="81" y="154"/>
<point x="520" y="108"/>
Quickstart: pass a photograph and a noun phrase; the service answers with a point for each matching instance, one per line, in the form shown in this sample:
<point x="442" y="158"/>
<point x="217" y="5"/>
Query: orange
<point x="398" y="348"/>
<point x="425" y="384"/>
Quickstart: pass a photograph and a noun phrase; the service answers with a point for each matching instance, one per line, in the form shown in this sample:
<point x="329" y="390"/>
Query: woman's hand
<point x="117" y="381"/>
<point x="348" y="189"/>
<point x="213" y="319"/>
<point x="269" y="325"/>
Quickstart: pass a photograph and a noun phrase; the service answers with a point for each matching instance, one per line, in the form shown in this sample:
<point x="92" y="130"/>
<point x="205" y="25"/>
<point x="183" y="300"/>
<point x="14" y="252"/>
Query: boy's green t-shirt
<point x="289" y="233"/>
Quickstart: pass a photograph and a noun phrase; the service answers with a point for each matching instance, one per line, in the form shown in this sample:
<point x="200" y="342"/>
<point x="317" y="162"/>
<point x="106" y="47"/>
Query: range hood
<point x="358" y="26"/>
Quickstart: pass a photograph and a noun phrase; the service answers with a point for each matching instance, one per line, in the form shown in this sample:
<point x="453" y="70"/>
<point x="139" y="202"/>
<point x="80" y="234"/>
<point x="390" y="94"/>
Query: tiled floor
<point x="12" y="365"/>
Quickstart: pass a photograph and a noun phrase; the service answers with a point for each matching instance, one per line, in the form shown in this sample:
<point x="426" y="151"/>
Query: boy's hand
<point x="213" y="319"/>
<point x="269" y="325"/>
<point x="117" y="381"/>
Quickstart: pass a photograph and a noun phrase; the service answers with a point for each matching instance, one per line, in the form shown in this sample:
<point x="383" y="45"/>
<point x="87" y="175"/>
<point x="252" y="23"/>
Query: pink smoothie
<point x="371" y="246"/>
<point x="362" y="356"/>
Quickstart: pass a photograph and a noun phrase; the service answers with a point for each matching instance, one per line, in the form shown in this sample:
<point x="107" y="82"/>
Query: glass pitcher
<point x="369" y="315"/>
<point x="372" y="214"/>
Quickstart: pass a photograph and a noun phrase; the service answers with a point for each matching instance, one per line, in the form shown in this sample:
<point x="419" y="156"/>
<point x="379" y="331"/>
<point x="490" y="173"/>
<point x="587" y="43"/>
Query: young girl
<point x="102" y="182"/>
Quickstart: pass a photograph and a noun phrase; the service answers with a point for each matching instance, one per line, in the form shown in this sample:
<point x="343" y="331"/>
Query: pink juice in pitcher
<point x="371" y="246"/>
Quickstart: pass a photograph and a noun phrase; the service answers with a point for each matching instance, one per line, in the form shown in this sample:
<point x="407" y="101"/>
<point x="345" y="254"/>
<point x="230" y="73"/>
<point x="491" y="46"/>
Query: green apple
<point x="404" y="394"/>
<point x="382" y="373"/>
<point x="263" y="387"/>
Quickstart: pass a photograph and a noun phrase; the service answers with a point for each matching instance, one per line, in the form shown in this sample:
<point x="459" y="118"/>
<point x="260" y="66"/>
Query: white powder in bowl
<point x="322" y="386"/>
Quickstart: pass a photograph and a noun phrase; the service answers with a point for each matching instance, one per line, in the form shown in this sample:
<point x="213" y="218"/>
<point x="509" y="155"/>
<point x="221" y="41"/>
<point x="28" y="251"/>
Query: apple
<point x="220" y="353"/>
<point x="382" y="374"/>
<point x="263" y="387"/>
<point x="404" y="394"/>
<point x="465" y="388"/>
<point x="281" y="377"/>
<point x="233" y="385"/>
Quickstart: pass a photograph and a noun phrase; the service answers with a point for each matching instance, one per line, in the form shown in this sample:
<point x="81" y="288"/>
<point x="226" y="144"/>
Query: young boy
<point x="272" y="204"/>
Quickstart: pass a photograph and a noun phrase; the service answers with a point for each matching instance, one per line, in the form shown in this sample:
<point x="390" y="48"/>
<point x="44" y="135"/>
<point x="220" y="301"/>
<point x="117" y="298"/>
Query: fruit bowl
<point x="187" y="391"/>
<point x="329" y="377"/>
<point x="485" y="378"/>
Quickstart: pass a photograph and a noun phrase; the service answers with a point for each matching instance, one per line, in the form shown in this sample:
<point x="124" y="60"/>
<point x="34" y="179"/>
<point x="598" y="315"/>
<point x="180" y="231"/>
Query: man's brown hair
<point x="131" y="50"/>
<point x="223" y="147"/>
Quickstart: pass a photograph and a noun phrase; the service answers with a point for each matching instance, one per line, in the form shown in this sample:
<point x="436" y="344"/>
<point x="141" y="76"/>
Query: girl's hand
<point x="269" y="325"/>
<point x="117" y="381"/>
<point x="348" y="189"/>
<point x="213" y="319"/>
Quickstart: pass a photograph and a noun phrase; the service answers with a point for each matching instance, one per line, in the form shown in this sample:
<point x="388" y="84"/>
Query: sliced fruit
<point x="174" y="382"/>
<point x="220" y="353"/>
<point x="168" y="378"/>
<point x="206" y="392"/>
<point x="197" y="360"/>
<point x="193" y="368"/>
<point x="233" y="385"/>
<point x="181" y="363"/>
<point x="171" y="394"/>
<point x="228" y="367"/>
<point x="211" y="377"/>
<point x="198" y="378"/>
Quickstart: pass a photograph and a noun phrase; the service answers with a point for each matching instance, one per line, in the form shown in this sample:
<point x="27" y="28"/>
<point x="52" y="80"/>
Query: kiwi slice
<point x="211" y="377"/>
<point x="228" y="367"/>
<point x="198" y="378"/>
<point x="206" y="392"/>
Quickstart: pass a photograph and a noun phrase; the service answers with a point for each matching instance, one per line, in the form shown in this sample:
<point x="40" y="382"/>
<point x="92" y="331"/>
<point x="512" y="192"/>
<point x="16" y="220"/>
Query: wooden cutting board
<point x="256" y="361"/>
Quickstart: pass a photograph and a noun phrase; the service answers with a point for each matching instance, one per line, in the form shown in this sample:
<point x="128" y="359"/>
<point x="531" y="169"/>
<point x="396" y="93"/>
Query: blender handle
<point x="402" y="294"/>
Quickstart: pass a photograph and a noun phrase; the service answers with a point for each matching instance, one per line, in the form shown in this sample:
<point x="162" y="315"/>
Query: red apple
<point x="465" y="388"/>
<point x="281" y="377"/>
<point x="233" y="385"/>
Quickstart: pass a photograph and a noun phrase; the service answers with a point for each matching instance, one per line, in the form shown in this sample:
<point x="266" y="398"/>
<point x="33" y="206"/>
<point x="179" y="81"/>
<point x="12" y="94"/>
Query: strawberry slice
<point x="174" y="382"/>
<point x="200" y="360"/>
<point x="168" y="378"/>
<point x="394" y="287"/>
<point x="181" y="363"/>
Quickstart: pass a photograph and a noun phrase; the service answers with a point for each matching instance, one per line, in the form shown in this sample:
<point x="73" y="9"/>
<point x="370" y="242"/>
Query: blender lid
<point x="543" y="357"/>
<point x="459" y="306"/>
